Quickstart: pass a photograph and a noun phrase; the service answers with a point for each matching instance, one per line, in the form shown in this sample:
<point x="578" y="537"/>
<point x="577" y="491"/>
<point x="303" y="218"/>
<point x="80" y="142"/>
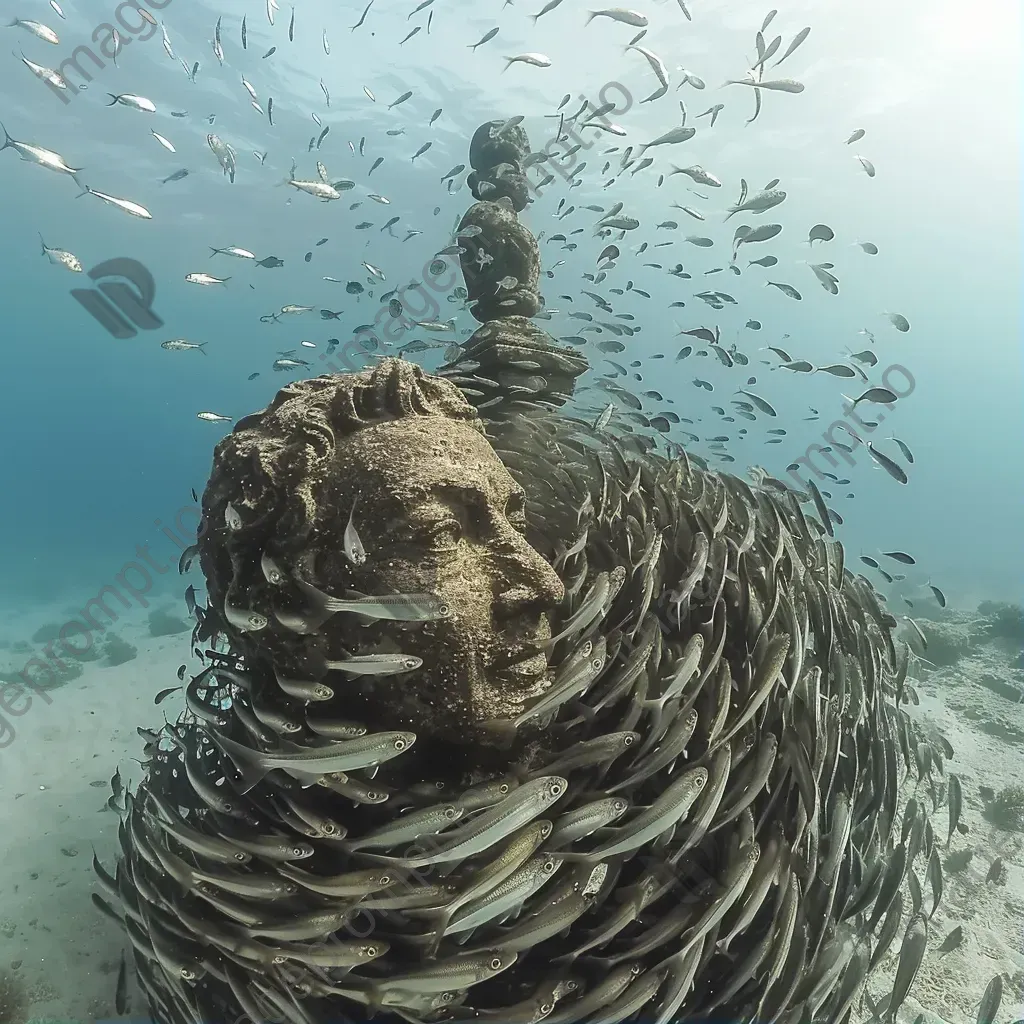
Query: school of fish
<point x="718" y="829"/>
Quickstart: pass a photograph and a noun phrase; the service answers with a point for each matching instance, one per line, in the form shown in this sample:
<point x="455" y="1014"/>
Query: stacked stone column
<point x="501" y="267"/>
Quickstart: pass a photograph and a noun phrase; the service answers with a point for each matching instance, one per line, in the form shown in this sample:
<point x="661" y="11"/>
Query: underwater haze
<point x="103" y="434"/>
<point x="801" y="267"/>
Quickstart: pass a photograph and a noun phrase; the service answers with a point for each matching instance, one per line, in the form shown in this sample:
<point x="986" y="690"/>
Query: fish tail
<point x="42" y="242"/>
<point x="202" y="347"/>
<point x="113" y="99"/>
<point x="373" y="1002"/>
<point x="7" y="138"/>
<point x="213" y="252"/>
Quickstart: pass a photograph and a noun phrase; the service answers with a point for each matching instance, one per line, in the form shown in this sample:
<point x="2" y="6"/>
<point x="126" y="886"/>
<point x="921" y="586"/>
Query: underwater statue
<point x="513" y="714"/>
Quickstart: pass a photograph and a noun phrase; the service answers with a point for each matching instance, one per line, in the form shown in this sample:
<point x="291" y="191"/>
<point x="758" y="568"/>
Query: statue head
<point x="395" y="462"/>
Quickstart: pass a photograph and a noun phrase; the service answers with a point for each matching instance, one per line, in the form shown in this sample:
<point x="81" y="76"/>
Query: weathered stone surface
<point x="504" y="181"/>
<point x="497" y="165"/>
<point x="505" y="251"/>
<point x="948" y="641"/>
<point x="391" y="451"/>
<point x="1001" y="687"/>
<point x="515" y="351"/>
<point x="487" y="149"/>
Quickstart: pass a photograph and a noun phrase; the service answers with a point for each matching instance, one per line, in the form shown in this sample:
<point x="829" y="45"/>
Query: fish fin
<point x="578" y="858"/>
<point x="252" y="774"/>
<point x="502" y="731"/>
<point x="251" y="771"/>
<point x="373" y="1001"/>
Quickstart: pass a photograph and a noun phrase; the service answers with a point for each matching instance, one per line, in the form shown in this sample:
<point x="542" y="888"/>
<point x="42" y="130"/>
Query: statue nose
<point x="531" y="583"/>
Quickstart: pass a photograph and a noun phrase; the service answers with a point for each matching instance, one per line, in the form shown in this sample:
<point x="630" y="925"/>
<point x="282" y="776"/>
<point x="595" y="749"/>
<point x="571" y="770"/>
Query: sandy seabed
<point x="53" y="814"/>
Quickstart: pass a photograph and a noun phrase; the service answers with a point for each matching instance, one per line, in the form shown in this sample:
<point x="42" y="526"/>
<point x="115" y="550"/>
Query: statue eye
<point x="446" y="534"/>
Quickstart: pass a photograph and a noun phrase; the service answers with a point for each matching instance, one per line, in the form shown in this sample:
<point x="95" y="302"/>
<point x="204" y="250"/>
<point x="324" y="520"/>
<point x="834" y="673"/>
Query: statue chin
<point x="436" y="512"/>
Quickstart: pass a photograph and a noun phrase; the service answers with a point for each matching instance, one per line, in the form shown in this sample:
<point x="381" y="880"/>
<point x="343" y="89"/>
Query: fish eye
<point x="496" y="963"/>
<point x="628" y="740"/>
<point x="370" y="950"/>
<point x="549" y="865"/>
<point x="556" y="789"/>
<point x="241" y="857"/>
<point x="399" y="744"/>
<point x="384" y="880"/>
<point x="450" y="812"/>
<point x="546" y="1008"/>
<point x="503" y="788"/>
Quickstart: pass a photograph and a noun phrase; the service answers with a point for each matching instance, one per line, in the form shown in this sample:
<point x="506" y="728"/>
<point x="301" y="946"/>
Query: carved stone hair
<point x="273" y="464"/>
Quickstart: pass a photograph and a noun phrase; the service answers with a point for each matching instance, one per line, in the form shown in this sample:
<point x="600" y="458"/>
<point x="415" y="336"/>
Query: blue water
<point x="102" y="435"/>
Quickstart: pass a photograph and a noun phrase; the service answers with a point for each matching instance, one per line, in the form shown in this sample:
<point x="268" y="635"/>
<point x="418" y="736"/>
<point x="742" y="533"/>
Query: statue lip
<point x="520" y="655"/>
<point x="530" y="667"/>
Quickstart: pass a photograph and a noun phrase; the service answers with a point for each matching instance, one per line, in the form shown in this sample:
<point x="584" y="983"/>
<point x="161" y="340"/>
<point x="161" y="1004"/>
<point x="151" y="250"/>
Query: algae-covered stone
<point x="948" y="642"/>
<point x="46" y="632"/>
<point x="501" y="263"/>
<point x="13" y="998"/>
<point x="164" y="623"/>
<point x="1003" y="621"/>
<point x="503" y="181"/>
<point x="514" y="352"/>
<point x="488" y="148"/>
<point x="44" y="675"/>
<point x="1007" y="809"/>
<point x="118" y="651"/>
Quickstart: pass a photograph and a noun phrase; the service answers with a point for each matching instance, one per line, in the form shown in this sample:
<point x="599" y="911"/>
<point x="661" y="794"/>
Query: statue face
<point x="438" y="512"/>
